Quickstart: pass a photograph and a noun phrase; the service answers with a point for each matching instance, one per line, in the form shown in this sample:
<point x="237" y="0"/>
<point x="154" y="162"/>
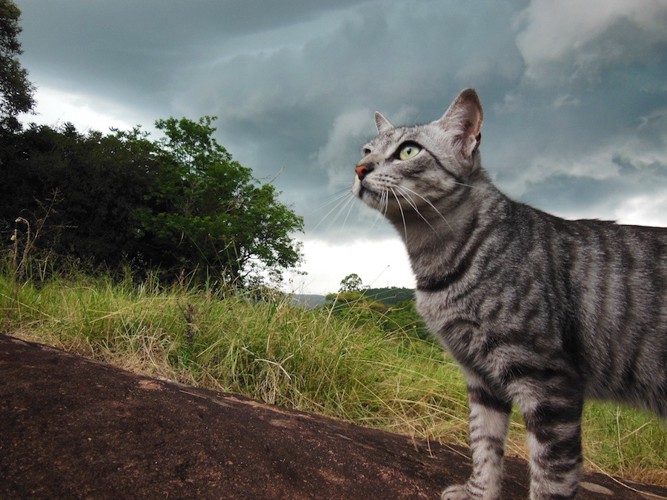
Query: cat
<point x="538" y="311"/>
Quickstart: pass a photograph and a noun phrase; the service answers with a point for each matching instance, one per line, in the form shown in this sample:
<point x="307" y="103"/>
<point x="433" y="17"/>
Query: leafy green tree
<point x="210" y="215"/>
<point x="351" y="283"/>
<point x="89" y="185"/>
<point x="180" y="205"/>
<point x="16" y="92"/>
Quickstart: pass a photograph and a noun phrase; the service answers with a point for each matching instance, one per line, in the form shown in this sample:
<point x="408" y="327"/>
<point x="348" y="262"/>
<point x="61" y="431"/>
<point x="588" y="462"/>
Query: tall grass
<point x="310" y="360"/>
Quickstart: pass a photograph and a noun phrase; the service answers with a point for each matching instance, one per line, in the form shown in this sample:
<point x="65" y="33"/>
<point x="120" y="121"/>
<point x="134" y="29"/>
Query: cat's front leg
<point x="489" y="420"/>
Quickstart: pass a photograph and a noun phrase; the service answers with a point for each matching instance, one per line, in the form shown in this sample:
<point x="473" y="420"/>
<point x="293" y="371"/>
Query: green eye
<point x="408" y="151"/>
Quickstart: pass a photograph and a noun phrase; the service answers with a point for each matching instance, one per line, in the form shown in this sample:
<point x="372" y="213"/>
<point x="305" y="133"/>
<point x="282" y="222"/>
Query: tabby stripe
<point x="545" y="420"/>
<point x="469" y="232"/>
<point x="555" y="471"/>
<point x="566" y="452"/>
<point x="541" y="374"/>
<point x="449" y="172"/>
<point x="628" y="262"/>
<point x="495" y="443"/>
<point x="484" y="263"/>
<point x="551" y="272"/>
<point x="483" y="397"/>
<point x="605" y="292"/>
<point x="475" y="489"/>
<point x="436" y="284"/>
<point x="457" y="197"/>
<point x="632" y="361"/>
<point x="469" y="247"/>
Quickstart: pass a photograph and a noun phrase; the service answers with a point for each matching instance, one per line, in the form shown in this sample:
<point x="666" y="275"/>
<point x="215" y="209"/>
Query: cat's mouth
<point x="357" y="188"/>
<point x="360" y="191"/>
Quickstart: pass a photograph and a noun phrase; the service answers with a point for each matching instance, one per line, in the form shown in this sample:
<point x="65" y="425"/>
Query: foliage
<point x="180" y="204"/>
<point x="391" y="295"/>
<point x="16" y="92"/>
<point x="403" y="316"/>
<point x="351" y="283"/>
<point x="212" y="210"/>
<point x="381" y="307"/>
<point x="88" y="184"/>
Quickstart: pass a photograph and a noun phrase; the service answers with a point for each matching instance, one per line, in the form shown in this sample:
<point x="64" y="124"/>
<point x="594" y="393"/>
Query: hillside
<point x="75" y="428"/>
<point x="390" y="295"/>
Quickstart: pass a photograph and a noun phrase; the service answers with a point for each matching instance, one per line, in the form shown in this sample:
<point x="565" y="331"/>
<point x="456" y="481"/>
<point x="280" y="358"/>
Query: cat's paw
<point x="457" y="492"/>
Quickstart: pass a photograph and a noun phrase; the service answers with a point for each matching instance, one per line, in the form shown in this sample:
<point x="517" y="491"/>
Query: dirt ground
<point x="74" y="428"/>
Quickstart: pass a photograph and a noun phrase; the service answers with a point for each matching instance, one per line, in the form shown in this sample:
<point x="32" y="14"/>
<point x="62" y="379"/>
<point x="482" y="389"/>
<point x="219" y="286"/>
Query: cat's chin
<point x="356" y="187"/>
<point x="369" y="197"/>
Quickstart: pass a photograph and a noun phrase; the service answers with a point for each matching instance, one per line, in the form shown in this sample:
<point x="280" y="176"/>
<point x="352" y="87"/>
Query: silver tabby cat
<point x="539" y="311"/>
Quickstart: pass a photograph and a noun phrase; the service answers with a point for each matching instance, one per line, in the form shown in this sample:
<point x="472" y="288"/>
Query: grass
<point x="310" y="360"/>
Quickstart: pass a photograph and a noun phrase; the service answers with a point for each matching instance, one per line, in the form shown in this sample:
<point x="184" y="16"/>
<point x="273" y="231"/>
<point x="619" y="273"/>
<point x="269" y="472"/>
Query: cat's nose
<point x="363" y="170"/>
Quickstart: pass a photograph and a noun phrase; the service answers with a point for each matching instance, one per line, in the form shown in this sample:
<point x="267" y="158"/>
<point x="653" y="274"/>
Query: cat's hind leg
<point x="489" y="421"/>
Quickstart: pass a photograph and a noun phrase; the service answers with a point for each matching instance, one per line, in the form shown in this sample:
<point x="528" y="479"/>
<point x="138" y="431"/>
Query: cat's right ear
<point x="383" y="125"/>
<point x="464" y="119"/>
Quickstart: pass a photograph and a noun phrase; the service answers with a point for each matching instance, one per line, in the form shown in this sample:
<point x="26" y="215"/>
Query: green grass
<point x="310" y="360"/>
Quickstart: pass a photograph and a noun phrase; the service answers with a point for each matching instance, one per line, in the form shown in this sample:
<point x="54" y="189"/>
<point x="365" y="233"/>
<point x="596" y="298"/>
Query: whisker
<point x="339" y="202"/>
<point x="401" y="190"/>
<point x="382" y="210"/>
<point x="341" y="208"/>
<point x="400" y="208"/>
<point x="429" y="204"/>
<point x="467" y="185"/>
<point x="333" y="198"/>
<point x="350" y="206"/>
<point x="385" y="202"/>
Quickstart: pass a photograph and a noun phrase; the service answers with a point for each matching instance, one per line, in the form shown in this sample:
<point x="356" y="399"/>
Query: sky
<point x="574" y="96"/>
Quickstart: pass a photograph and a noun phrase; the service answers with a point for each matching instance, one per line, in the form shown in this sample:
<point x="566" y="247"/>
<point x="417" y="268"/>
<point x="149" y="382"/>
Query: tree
<point x="16" y="92"/>
<point x="209" y="216"/>
<point x="351" y="283"/>
<point x="90" y="185"/>
<point x="177" y="205"/>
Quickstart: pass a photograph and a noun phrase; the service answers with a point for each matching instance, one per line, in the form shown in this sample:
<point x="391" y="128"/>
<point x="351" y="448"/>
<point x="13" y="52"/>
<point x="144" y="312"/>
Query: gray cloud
<point x="310" y="105"/>
<point x="568" y="41"/>
<point x="138" y="50"/>
<point x="574" y="92"/>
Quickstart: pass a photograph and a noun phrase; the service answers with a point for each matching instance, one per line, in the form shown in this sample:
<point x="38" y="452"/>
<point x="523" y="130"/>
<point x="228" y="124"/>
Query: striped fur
<point x="540" y="312"/>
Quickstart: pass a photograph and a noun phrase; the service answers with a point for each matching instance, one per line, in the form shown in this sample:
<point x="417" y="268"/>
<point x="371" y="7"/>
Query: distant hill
<point x="390" y="296"/>
<point x="308" y="301"/>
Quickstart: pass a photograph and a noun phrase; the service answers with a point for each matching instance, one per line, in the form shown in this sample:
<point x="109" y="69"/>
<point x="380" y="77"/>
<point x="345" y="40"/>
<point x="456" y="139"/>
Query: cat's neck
<point x="434" y="241"/>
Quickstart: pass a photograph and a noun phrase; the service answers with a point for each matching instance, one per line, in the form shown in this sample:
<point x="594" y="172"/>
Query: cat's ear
<point x="464" y="121"/>
<point x="383" y="125"/>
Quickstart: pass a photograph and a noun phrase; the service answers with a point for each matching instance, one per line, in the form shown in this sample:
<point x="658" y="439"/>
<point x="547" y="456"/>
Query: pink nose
<point x="362" y="171"/>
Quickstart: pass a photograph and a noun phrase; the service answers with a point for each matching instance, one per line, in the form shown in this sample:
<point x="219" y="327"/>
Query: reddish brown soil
<point x="75" y="428"/>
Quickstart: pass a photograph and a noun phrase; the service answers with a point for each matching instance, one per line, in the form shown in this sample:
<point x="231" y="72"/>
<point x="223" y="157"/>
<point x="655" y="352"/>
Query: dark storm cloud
<point x="572" y="195"/>
<point x="137" y="50"/>
<point x="308" y="108"/>
<point x="574" y="92"/>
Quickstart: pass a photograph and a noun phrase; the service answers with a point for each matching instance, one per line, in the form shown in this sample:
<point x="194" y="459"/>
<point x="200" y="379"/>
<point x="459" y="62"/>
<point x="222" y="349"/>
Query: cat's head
<point x="408" y="170"/>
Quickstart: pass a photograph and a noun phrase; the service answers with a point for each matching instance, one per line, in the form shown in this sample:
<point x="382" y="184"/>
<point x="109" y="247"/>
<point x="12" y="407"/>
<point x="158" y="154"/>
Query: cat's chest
<point x="452" y="321"/>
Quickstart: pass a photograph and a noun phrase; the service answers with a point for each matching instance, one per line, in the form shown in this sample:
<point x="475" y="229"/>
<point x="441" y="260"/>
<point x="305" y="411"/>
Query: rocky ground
<point x="74" y="428"/>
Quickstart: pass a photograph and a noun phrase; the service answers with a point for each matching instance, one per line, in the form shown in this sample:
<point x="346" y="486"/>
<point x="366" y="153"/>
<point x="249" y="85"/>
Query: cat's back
<point x="616" y="282"/>
<point x="616" y="264"/>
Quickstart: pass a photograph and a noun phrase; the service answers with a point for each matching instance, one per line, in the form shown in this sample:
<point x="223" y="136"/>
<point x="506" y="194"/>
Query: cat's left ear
<point x="383" y="125"/>
<point x="464" y="121"/>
